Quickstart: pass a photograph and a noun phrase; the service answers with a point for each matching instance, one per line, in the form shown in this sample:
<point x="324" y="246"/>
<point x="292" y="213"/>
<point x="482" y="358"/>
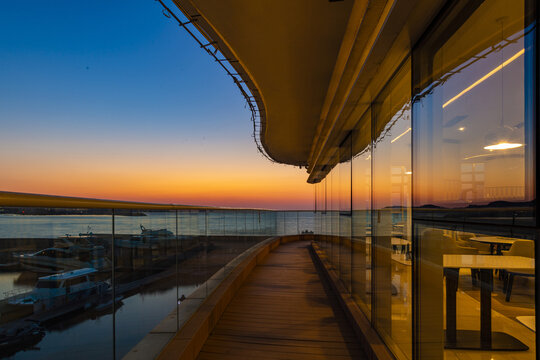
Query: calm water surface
<point x="92" y="338"/>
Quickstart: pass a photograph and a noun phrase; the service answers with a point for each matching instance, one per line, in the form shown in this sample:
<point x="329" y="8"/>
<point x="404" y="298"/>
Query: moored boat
<point x="62" y="289"/>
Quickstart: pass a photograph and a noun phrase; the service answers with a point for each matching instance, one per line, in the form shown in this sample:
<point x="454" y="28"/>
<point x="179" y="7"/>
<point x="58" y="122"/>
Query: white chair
<point x="519" y="248"/>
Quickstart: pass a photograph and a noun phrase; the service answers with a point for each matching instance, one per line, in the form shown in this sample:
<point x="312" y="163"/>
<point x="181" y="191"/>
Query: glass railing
<point x="92" y="281"/>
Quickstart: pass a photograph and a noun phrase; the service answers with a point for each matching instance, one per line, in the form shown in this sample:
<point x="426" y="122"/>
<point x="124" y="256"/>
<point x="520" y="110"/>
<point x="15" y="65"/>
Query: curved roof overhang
<point x="313" y="66"/>
<point x="285" y="51"/>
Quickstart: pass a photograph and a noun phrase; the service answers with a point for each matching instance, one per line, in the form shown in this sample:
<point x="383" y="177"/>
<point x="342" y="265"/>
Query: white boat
<point x="62" y="259"/>
<point x="62" y="289"/>
<point x="149" y="234"/>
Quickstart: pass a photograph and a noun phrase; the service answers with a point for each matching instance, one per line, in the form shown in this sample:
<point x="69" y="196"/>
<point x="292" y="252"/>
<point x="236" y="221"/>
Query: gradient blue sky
<point x="110" y="99"/>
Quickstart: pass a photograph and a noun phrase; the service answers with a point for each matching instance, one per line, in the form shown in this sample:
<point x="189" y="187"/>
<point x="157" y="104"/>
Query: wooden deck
<point x="283" y="311"/>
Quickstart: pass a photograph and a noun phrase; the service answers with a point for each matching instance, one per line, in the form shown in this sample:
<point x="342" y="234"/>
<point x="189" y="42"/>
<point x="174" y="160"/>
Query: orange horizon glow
<point x="257" y="184"/>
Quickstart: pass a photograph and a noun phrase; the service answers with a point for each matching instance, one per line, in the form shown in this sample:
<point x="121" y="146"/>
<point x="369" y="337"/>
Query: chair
<point x="455" y="246"/>
<point x="519" y="248"/>
<point x="446" y="244"/>
<point x="463" y="238"/>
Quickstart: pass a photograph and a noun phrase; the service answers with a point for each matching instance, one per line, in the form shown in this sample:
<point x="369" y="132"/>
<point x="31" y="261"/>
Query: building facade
<point x="430" y="201"/>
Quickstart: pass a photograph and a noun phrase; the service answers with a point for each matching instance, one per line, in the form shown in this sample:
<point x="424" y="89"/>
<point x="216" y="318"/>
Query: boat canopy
<point x="69" y="274"/>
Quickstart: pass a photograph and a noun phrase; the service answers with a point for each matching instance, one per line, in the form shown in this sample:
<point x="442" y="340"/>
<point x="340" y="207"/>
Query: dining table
<point x="495" y="242"/>
<point x="485" y="339"/>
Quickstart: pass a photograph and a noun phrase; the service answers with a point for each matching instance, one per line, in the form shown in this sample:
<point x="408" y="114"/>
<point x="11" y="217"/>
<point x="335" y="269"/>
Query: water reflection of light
<point x="503" y="146"/>
<point x="484" y="78"/>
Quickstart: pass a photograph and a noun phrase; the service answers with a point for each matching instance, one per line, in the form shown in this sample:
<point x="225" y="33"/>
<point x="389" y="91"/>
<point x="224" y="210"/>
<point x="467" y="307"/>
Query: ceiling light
<point x="503" y="146"/>
<point x="400" y="135"/>
<point x="485" y="77"/>
<point x="503" y="137"/>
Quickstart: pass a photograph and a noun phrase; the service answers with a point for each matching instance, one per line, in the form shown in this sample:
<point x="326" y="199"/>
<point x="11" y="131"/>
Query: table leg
<point x="452" y="277"/>
<point x="486" y="284"/>
<point x="484" y="339"/>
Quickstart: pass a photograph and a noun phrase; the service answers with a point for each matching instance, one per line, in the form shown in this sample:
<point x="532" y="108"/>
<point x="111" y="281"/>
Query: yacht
<point x="149" y="234"/>
<point x="61" y="289"/>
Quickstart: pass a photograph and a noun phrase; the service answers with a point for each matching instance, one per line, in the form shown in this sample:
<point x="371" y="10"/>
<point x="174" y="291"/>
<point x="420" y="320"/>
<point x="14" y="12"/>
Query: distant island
<point x="67" y="211"/>
<point x="494" y="204"/>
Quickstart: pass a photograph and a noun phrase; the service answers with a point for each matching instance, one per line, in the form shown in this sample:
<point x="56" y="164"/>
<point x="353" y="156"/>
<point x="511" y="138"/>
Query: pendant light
<point x="504" y="137"/>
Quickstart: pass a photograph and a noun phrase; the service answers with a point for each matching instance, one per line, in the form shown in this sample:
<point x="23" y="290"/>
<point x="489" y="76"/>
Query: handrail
<point x="53" y="201"/>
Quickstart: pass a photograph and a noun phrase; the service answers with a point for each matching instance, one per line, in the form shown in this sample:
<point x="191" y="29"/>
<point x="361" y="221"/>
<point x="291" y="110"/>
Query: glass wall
<point x="41" y="312"/>
<point x="392" y="272"/>
<point x="474" y="182"/>
<point x="334" y="213"/>
<point x="345" y="215"/>
<point x="443" y="220"/>
<point x="472" y="125"/>
<point x="92" y="283"/>
<point x="361" y="214"/>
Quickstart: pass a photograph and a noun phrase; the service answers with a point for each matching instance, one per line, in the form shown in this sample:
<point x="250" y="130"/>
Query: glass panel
<point x="474" y="166"/>
<point x="361" y="214"/>
<point x="46" y="309"/>
<point x="318" y="224"/>
<point x="488" y="305"/>
<point x="391" y="208"/>
<point x="291" y="222"/>
<point x="324" y="213"/>
<point x="465" y="148"/>
<point x="345" y="213"/>
<point x="306" y="221"/>
<point x="334" y="199"/>
<point x="145" y="273"/>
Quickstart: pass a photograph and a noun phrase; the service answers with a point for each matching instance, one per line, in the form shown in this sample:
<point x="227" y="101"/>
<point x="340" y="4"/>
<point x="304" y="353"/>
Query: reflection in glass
<point x="345" y="215"/>
<point x="474" y="164"/>
<point x="391" y="229"/>
<point x="55" y="263"/>
<point x="145" y="257"/>
<point x="467" y="279"/>
<point x="472" y="124"/>
<point x="361" y="214"/>
<point x="334" y="213"/>
<point x="56" y="271"/>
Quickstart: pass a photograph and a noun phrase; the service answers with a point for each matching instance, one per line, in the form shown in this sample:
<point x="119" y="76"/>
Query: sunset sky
<point x="122" y="104"/>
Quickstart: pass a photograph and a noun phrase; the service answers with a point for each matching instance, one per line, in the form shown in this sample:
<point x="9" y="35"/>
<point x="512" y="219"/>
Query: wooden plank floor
<point x="283" y="311"/>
